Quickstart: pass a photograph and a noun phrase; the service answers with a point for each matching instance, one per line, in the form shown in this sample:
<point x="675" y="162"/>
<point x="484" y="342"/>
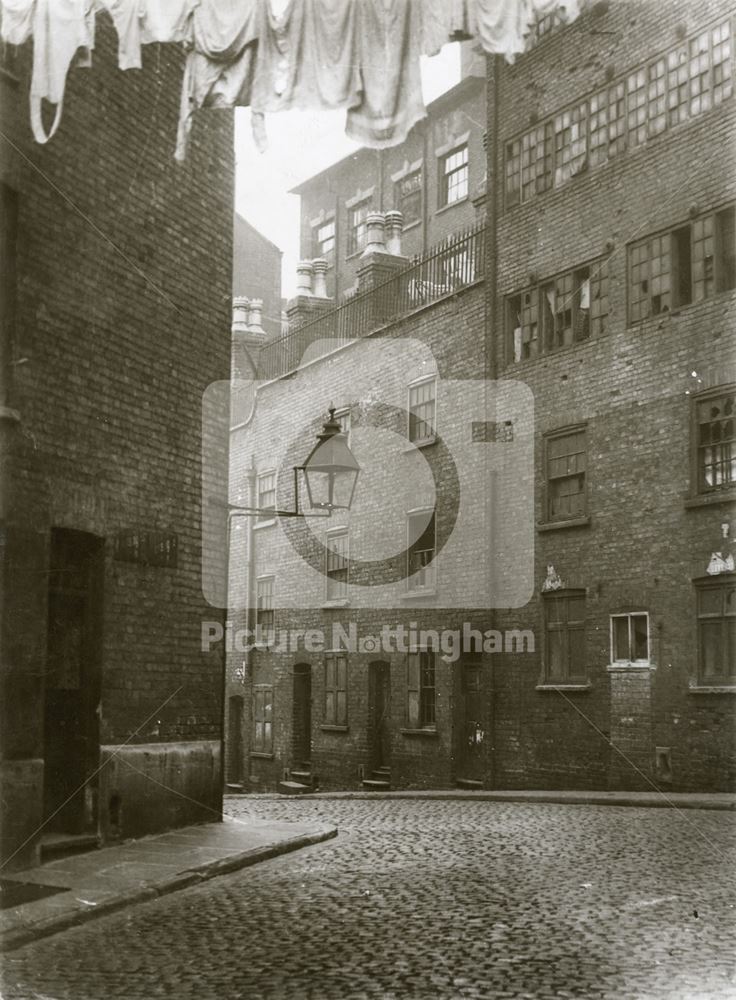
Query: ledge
<point x="564" y="687"/>
<point x="412" y="595"/>
<point x="712" y="689"/>
<point x="710" y="499"/>
<point x="432" y="733"/>
<point x="411" y="225"/>
<point x="260" y="755"/>
<point x="334" y="729"/>
<point x="264" y="524"/>
<point x="630" y="667"/>
<point x="342" y="602"/>
<point x="573" y="522"/>
<point x="7" y="413"/>
<point x="426" y="443"/>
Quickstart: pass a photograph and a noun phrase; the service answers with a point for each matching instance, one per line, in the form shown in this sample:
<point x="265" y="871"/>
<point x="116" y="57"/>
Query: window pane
<point x="330" y="707"/>
<point x="342" y="709"/>
<point x="555" y="654"/>
<point x="576" y="644"/>
<point x="710" y="650"/>
<point x="621" y="637"/>
<point x="640" y="640"/>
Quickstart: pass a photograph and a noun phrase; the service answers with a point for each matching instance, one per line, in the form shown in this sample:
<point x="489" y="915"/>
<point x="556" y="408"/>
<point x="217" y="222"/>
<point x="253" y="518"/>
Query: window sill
<point x="261" y="755"/>
<point x="712" y="689"/>
<point x="630" y="667"/>
<point x="327" y="728"/>
<point x="355" y="254"/>
<point x="424" y="443"/>
<point x="411" y="225"/>
<point x="338" y="602"/>
<point x="453" y="204"/>
<point x="264" y="524"/>
<point x="411" y="595"/>
<point x="586" y="686"/>
<point x="419" y="732"/>
<point x="710" y="499"/>
<point x="573" y="522"/>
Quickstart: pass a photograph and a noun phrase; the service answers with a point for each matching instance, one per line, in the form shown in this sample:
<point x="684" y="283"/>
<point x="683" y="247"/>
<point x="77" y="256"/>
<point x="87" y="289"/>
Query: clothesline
<point x="360" y="55"/>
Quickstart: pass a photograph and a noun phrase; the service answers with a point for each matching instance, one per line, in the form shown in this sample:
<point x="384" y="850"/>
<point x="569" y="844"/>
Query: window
<point x="421" y="551"/>
<point x="263" y="719"/>
<point x="422" y="411"/>
<point x="716" y="603"/>
<point x="564" y="632"/>
<point x="421" y="694"/>
<point x="336" y="693"/>
<point x="408" y="197"/>
<point x="680" y="84"/>
<point x="715" y="437"/>
<point x="264" y="606"/>
<point x="336" y="570"/>
<point x="357" y="216"/>
<point x="267" y="496"/>
<point x="630" y="638"/>
<point x="567" y="309"/>
<point x="323" y="240"/>
<point x="454" y="176"/>
<point x="688" y="264"/>
<point x="566" y="465"/>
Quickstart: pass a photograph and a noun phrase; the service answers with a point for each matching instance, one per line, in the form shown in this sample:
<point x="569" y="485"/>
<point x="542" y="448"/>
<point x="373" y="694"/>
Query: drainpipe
<point x="494" y="66"/>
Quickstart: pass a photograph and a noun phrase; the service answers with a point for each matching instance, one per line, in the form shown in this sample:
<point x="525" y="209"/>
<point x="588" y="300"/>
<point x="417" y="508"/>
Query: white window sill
<point x="627" y="666"/>
<point x="261" y="754"/>
<point x="338" y="602"/>
<point x="571" y="686"/>
<point x="424" y="443"/>
<point x="411" y="225"/>
<point x="264" y="524"/>
<point x="710" y="499"/>
<point x="571" y="522"/>
<point x="328" y="727"/>
<point x="418" y="732"/>
<point x="712" y="689"/>
<point x="411" y="595"/>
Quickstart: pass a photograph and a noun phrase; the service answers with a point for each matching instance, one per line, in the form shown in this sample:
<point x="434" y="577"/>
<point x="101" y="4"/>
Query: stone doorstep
<point x="90" y="896"/>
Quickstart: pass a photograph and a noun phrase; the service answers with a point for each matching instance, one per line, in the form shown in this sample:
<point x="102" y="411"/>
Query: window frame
<point x="262" y="715"/>
<point x="317" y="243"/>
<point x="723" y="582"/>
<point x="400" y="198"/>
<point x="411" y="408"/>
<point x="430" y="567"/>
<point x="570" y="676"/>
<point x="445" y="185"/>
<point x="259" y="611"/>
<point x="421" y="708"/>
<point x="335" y="713"/>
<point x="356" y="235"/>
<point x="548" y="438"/>
<point x="342" y="592"/>
<point x="266" y="513"/>
<point x="697" y="400"/>
<point x="629" y="662"/>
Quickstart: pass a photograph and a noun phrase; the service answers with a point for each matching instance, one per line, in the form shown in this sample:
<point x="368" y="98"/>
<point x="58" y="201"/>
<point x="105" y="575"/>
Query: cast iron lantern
<point x="330" y="470"/>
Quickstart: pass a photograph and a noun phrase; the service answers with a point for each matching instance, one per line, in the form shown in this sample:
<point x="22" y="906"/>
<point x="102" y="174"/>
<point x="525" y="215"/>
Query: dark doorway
<point x="72" y="689"/>
<point x="302" y="720"/>
<point x="470" y="729"/>
<point x="379" y="707"/>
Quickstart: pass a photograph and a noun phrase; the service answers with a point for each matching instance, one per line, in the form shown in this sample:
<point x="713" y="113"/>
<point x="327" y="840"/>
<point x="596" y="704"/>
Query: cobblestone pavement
<point x="432" y="900"/>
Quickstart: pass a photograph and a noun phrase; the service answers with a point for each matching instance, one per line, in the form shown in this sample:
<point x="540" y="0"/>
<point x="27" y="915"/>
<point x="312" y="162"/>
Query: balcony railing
<point x="455" y="263"/>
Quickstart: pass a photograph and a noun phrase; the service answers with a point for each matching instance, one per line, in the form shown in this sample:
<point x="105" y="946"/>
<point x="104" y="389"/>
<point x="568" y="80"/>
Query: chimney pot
<point x="375" y="234"/>
<point x="394" y="228"/>
<point x="304" y="271"/>
<point x="320" y="265"/>
<point x="241" y="314"/>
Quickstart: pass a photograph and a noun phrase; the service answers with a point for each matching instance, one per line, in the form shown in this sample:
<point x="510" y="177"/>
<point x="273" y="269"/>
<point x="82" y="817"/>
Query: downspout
<point x="494" y="65"/>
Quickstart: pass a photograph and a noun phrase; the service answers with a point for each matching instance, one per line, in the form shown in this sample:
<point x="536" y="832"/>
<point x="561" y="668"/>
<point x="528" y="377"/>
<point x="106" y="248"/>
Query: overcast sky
<point x="301" y="144"/>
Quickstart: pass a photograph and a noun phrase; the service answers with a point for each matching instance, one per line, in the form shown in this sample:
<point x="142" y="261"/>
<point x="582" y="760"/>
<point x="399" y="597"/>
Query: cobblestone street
<point x="427" y="899"/>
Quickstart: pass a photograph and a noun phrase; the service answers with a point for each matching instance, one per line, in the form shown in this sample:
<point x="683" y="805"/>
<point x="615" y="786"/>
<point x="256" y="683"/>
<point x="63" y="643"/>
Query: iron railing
<point x="451" y="265"/>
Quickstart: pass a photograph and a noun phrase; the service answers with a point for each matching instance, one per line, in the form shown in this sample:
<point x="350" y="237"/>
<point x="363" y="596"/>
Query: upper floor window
<point x="421" y="691"/>
<point x="266" y="496"/>
<point x="564" y="310"/>
<point x="687" y="264"/>
<point x="676" y="86"/>
<point x="408" y="196"/>
<point x="716" y="599"/>
<point x="566" y="471"/>
<point x="564" y="633"/>
<point x="264" y="604"/>
<point x="422" y="404"/>
<point x="357" y="230"/>
<point x="453" y="176"/>
<point x="421" y="549"/>
<point x="323" y="240"/>
<point x="630" y="637"/>
<point x="336" y="568"/>
<point x="336" y="690"/>
<point x="715" y="440"/>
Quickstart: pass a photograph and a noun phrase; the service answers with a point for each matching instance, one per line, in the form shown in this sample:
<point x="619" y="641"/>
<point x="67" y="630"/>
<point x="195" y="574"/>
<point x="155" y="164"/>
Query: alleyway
<point x="428" y="899"/>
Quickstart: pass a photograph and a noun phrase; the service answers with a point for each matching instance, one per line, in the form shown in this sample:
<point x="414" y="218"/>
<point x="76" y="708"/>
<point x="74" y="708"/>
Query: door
<point x="379" y="703"/>
<point x="302" y="721"/>
<point x="470" y="725"/>
<point x="72" y="682"/>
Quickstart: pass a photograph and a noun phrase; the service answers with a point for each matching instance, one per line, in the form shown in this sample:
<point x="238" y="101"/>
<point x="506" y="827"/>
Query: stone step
<point x="381" y="775"/>
<point x="376" y="785"/>
<point x="293" y="788"/>
<point x="305" y="776"/>
<point x="469" y="783"/>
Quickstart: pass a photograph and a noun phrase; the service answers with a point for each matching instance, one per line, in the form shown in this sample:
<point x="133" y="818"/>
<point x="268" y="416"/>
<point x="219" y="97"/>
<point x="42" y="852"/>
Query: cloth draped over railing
<point x="360" y="55"/>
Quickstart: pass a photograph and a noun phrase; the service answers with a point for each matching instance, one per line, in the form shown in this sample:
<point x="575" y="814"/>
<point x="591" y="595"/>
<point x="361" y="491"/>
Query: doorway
<point x="379" y="707"/>
<point x="470" y="728"/>
<point x="72" y="682"/>
<point x="302" y="719"/>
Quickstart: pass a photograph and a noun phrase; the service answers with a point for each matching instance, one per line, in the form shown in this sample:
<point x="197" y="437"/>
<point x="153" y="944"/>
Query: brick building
<point x="605" y="288"/>
<point x="257" y="272"/>
<point x="115" y="317"/>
